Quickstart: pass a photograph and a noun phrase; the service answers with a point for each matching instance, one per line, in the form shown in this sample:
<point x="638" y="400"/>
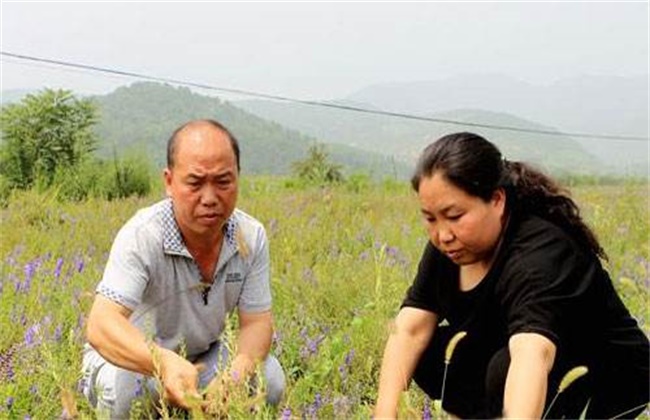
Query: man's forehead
<point x="201" y="131"/>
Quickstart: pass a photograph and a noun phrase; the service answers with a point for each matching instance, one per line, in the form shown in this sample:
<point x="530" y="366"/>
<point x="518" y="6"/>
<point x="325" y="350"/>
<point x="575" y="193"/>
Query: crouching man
<point x="175" y="272"/>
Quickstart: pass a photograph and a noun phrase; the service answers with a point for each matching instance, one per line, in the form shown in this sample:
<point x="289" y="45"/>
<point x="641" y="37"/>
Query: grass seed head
<point x="452" y="344"/>
<point x="571" y="376"/>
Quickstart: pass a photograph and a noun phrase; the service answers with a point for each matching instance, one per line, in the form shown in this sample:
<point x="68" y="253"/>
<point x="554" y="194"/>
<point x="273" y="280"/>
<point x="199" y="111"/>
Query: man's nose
<point x="209" y="197"/>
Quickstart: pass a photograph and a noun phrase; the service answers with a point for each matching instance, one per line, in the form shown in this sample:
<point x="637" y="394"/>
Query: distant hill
<point x="405" y="138"/>
<point x="587" y="104"/>
<point x="142" y="116"/>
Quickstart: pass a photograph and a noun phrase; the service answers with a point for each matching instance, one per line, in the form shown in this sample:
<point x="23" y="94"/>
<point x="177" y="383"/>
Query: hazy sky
<point x="321" y="50"/>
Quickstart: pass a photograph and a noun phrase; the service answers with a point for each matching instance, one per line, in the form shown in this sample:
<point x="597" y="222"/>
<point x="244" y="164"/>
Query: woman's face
<point x="463" y="227"/>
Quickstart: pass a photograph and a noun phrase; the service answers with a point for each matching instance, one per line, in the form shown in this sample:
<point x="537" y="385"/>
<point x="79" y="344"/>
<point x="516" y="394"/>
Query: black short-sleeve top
<point x="541" y="281"/>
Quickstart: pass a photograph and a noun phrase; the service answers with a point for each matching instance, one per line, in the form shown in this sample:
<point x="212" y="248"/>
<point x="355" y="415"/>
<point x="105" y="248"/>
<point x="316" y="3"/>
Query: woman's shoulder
<point x="536" y="244"/>
<point x="533" y="233"/>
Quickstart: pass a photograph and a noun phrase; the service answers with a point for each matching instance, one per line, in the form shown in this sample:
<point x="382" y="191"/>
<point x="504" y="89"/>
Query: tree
<point x="317" y="168"/>
<point x="44" y="132"/>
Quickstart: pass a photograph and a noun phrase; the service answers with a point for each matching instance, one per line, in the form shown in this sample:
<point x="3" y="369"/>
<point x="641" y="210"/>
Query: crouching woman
<point x="511" y="263"/>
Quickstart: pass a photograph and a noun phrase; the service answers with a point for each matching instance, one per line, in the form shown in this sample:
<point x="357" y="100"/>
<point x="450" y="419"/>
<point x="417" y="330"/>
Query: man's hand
<point x="222" y="387"/>
<point x="179" y="378"/>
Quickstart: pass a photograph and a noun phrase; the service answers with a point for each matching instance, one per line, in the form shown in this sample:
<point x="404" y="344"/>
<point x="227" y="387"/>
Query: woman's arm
<point x="411" y="334"/>
<point x="531" y="358"/>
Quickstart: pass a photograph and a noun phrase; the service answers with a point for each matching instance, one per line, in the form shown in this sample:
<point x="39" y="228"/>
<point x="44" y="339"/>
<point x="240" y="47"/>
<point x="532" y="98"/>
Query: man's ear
<point x="167" y="178"/>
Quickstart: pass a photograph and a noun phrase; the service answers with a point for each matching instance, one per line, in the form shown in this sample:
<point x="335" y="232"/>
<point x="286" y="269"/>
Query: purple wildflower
<point x="31" y="335"/>
<point x="391" y="251"/>
<point x="318" y="401"/>
<point x="30" y="270"/>
<point x="9" y="403"/>
<point x="426" y="412"/>
<point x="79" y="264"/>
<point x="138" y="388"/>
<point x="344" y="368"/>
<point x="81" y="385"/>
<point x="312" y="409"/>
<point x="286" y="414"/>
<point x="57" y="269"/>
<point x="58" y="333"/>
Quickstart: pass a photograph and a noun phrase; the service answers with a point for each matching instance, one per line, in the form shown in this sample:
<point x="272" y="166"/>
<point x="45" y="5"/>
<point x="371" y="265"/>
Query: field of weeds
<point x="342" y="259"/>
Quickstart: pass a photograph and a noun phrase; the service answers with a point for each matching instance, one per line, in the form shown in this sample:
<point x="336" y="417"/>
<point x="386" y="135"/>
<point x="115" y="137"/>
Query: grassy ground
<point x="342" y="259"/>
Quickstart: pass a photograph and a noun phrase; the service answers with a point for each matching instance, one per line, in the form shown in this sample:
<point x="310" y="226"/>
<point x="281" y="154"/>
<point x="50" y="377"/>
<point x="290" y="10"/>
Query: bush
<point x="104" y="179"/>
<point x="317" y="169"/>
<point x="43" y="133"/>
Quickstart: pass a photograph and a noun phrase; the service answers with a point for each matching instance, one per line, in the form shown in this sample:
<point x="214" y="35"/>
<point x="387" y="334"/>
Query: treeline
<point x="49" y="143"/>
<point x="55" y="141"/>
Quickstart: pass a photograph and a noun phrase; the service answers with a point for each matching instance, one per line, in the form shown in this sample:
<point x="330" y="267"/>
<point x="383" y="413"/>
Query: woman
<point x="511" y="263"/>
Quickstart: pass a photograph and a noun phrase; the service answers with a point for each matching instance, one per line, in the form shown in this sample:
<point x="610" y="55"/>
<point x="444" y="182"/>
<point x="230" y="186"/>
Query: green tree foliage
<point x="109" y="179"/>
<point x="43" y="133"/>
<point x="317" y="168"/>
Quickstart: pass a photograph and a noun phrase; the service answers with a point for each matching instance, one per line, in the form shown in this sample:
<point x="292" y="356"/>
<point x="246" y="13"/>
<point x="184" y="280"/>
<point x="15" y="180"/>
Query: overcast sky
<point x="321" y="50"/>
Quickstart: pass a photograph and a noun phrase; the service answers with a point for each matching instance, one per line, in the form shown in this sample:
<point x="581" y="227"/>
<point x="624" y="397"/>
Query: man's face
<point x="203" y="183"/>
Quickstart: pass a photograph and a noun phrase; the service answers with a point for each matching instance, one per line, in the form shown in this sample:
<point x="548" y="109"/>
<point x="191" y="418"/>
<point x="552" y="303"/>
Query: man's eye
<point x="454" y="216"/>
<point x="224" y="183"/>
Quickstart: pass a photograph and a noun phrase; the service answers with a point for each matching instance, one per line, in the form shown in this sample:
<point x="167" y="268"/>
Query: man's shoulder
<point x="251" y="229"/>
<point x="246" y="221"/>
<point x="149" y="220"/>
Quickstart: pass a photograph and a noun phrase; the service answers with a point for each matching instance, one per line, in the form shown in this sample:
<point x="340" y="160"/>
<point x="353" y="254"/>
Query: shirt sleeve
<point x="423" y="293"/>
<point x="256" y="290"/>
<point x="125" y="276"/>
<point x="543" y="291"/>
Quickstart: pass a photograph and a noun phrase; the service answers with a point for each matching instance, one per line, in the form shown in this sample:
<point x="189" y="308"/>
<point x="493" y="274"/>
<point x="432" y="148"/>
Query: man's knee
<point x="112" y="390"/>
<point x="275" y="380"/>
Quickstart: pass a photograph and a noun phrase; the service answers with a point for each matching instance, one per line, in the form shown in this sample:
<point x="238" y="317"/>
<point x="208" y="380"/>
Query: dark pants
<point x="475" y="383"/>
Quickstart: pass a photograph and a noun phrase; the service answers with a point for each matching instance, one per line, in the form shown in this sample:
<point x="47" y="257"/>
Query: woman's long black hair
<point x="476" y="166"/>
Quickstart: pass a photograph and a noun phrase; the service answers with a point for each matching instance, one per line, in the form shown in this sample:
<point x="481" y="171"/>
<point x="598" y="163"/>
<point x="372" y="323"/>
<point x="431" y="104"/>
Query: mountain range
<point x="274" y="134"/>
<point x="601" y="105"/>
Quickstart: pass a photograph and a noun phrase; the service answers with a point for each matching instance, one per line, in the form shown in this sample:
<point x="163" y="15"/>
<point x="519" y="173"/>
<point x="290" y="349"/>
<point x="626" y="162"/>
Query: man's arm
<point x="531" y="358"/>
<point x="111" y="333"/>
<point x="254" y="343"/>
<point x="412" y="332"/>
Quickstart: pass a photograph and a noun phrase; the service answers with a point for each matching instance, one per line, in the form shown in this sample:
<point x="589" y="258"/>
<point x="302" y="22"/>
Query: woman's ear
<point x="499" y="198"/>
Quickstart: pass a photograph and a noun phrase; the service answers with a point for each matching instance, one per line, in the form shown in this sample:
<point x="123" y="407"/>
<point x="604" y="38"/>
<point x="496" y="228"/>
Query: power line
<point x="314" y="103"/>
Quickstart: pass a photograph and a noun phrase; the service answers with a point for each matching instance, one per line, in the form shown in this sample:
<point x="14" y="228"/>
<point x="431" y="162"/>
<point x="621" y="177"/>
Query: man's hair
<point x="173" y="140"/>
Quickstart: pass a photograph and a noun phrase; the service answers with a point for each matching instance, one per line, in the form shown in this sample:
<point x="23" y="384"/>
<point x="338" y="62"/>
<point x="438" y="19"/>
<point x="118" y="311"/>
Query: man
<point x="175" y="271"/>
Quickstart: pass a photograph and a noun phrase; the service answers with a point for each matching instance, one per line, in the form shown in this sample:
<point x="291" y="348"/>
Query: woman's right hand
<point x="409" y="336"/>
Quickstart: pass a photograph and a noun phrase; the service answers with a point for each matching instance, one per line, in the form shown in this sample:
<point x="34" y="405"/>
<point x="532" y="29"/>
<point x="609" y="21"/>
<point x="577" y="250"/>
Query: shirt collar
<point x="173" y="239"/>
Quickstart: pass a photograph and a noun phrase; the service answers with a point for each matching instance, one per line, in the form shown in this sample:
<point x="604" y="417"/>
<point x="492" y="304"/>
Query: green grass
<point x="342" y="259"/>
